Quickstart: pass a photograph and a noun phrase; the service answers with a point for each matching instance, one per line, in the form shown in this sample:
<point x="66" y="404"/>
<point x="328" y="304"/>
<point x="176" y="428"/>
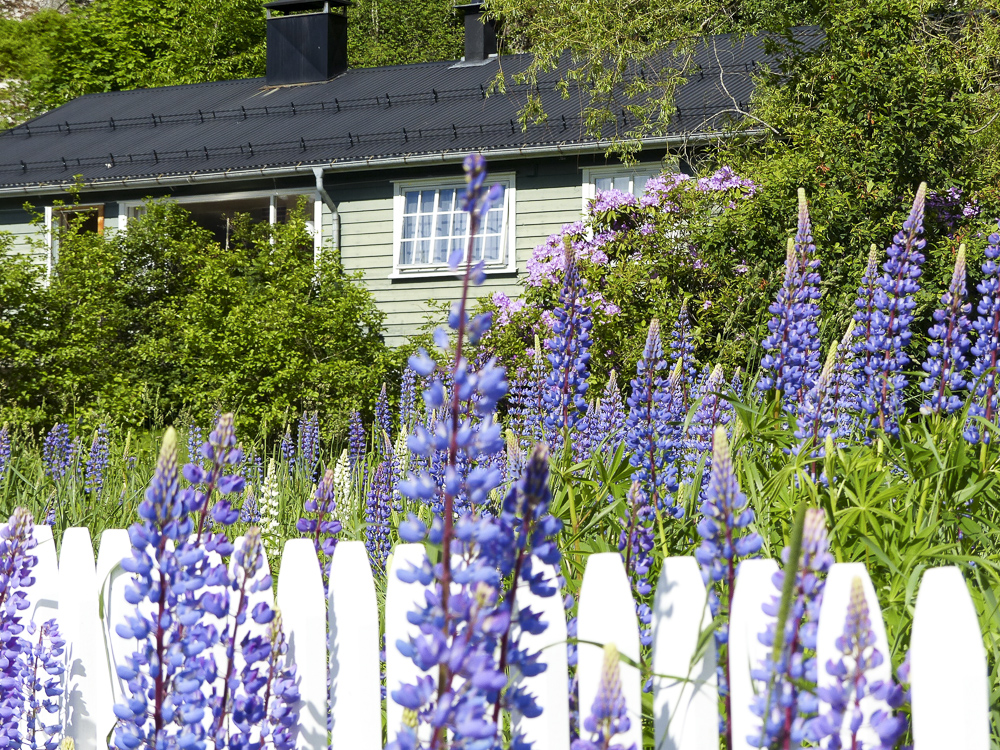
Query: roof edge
<point x="303" y="168"/>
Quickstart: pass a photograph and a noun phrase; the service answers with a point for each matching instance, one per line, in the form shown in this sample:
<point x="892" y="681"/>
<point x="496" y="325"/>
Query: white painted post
<point x="303" y="613"/>
<point x="355" y="690"/>
<point x="686" y="695"/>
<point x="607" y="615"/>
<point x="836" y="597"/>
<point x="111" y="582"/>
<point x="949" y="688"/>
<point x="44" y="592"/>
<point x="88" y="694"/>
<point x="746" y="622"/>
<point x="400" y="598"/>
<point x="551" y="687"/>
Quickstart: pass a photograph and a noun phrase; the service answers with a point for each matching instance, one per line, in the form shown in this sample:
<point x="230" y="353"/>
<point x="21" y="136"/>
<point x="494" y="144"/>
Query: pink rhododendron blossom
<point x="506" y="307"/>
<point x="608" y="200"/>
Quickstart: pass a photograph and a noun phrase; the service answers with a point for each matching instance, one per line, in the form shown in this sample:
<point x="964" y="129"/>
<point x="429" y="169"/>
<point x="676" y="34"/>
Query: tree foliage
<point x="159" y="319"/>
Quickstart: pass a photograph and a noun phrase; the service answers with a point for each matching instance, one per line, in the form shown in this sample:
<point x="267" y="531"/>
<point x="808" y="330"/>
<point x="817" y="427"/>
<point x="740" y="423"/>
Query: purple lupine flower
<point x="817" y="416"/>
<point x="57" y="452"/>
<point x="309" y="443"/>
<point x="864" y="324"/>
<point x="791" y="364"/>
<point x="527" y="399"/>
<point x="850" y="686"/>
<point x="894" y="302"/>
<point x="378" y="510"/>
<point x="287" y="451"/>
<point x="16" y="564"/>
<point x="784" y="700"/>
<point x="42" y="675"/>
<point x="383" y="417"/>
<point x="712" y="410"/>
<point x="682" y="350"/>
<point x="218" y="454"/>
<point x="194" y="440"/>
<point x="250" y="512"/>
<point x="324" y="527"/>
<point x="470" y="624"/>
<point x="983" y="399"/>
<point x="891" y="727"/>
<point x="843" y="391"/>
<point x="723" y="529"/>
<point x="356" y="439"/>
<point x="636" y="543"/>
<point x="609" y="715"/>
<point x="281" y="727"/>
<point x="609" y="425"/>
<point x="97" y="463"/>
<point x="5" y="454"/>
<point x="407" y="399"/>
<point x="569" y="355"/>
<point x="946" y="361"/>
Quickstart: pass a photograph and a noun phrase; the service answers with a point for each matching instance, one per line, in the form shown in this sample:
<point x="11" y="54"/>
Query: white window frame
<point x="592" y="174"/>
<point x="126" y="209"/>
<point x="508" y="242"/>
<point x="56" y="216"/>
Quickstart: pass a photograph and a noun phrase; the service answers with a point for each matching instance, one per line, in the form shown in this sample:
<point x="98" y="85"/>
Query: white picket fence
<point x="950" y="691"/>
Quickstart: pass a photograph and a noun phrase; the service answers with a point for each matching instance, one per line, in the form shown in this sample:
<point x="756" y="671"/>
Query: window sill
<point x="444" y="273"/>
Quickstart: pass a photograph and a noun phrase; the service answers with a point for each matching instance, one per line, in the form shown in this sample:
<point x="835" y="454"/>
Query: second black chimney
<point x="480" y="33"/>
<point x="308" y="42"/>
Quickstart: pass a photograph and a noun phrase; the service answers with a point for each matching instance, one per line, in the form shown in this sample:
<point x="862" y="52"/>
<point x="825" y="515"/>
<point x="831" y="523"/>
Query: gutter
<point x="451" y="157"/>
<point x="325" y="197"/>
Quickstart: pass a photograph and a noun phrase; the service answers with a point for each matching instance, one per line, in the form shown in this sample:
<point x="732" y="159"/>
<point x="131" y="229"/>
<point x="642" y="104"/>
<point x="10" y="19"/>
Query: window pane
<point x="494" y="221"/>
<point x="423" y="251"/>
<point x="410" y="204"/>
<point x="493" y="248"/>
<point x="409" y="227"/>
<point x="477" y="249"/>
<point x="406" y="253"/>
<point x="447" y="201"/>
<point x="425" y="225"/>
<point x="443" y="227"/>
<point x="603" y="183"/>
<point x="441" y="251"/>
<point x="621" y="182"/>
<point x="639" y="184"/>
<point x="427" y="201"/>
<point x="461" y="226"/>
<point x="458" y="244"/>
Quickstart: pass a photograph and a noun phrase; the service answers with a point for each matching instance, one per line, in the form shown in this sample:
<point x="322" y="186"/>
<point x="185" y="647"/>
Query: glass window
<point x="434" y="226"/>
<point x="624" y="181"/>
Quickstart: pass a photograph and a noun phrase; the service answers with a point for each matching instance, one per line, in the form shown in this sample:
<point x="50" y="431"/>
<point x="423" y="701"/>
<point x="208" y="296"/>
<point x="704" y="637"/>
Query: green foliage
<point x="393" y="32"/>
<point x="159" y="319"/>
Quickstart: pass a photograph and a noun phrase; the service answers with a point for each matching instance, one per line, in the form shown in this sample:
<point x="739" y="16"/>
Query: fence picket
<point x="355" y="690"/>
<point x="44" y="592"/>
<point x="87" y="693"/>
<point x="746" y="622"/>
<point x="400" y="598"/>
<point x="551" y="687"/>
<point x="607" y="615"/>
<point x="833" y="611"/>
<point x="685" y="696"/>
<point x="115" y="546"/>
<point x="949" y="684"/>
<point x="303" y="613"/>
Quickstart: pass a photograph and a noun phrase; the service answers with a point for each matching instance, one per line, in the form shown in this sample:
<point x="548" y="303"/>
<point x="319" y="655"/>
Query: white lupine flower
<point x="269" y="509"/>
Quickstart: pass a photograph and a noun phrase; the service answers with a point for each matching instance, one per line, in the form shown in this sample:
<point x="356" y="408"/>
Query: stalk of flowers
<point x="946" y="361"/>
<point x="725" y="538"/>
<point x="217" y="453"/>
<point x="569" y="355"/>
<point x="378" y="510"/>
<point x="279" y="729"/>
<point x="636" y="543"/>
<point x="250" y="510"/>
<point x="711" y="410"/>
<point x="986" y="350"/>
<point x="270" y="509"/>
<point x="608" y="716"/>
<point x="851" y="685"/>
<point x="194" y="440"/>
<point x="322" y="529"/>
<point x="609" y="423"/>
<point x="864" y="316"/>
<point x="383" y="416"/>
<point x="309" y="443"/>
<point x="816" y="418"/>
<point x="407" y="400"/>
<point x="97" y="463"/>
<point x="42" y="674"/>
<point x="356" y="439"/>
<point x="843" y="388"/>
<point x="682" y="349"/>
<point x="894" y="302"/>
<point x="527" y="400"/>
<point x="785" y="700"/>
<point x="57" y="452"/>
<point x="5" y="453"/>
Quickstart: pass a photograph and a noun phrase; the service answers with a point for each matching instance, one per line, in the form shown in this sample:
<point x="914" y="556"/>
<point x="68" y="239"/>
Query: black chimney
<point x="480" y="33"/>
<point x="308" y="42"/>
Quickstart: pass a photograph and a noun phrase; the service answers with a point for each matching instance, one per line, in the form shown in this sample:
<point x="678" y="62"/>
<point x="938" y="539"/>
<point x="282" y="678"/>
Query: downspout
<point x="321" y="194"/>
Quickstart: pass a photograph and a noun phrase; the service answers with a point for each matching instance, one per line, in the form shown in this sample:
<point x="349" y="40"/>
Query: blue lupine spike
<point x="569" y="354"/>
<point x="97" y="463"/>
<point x="609" y="714"/>
<point x="609" y="426"/>
<point x="946" y="361"/>
<point x="983" y="397"/>
<point x="356" y="439"/>
<point x="711" y="410"/>
<point x="843" y="386"/>
<point x="863" y="346"/>
<point x="383" y="417"/>
<point x="5" y="452"/>
<point x="682" y="350"/>
<point x="378" y="510"/>
<point x="57" y="451"/>
<point x="309" y="443"/>
<point x="407" y="399"/>
<point x="894" y="302"/>
<point x="816" y="416"/>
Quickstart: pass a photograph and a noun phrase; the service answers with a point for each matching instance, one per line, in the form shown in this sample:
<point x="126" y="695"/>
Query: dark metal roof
<point x="367" y="116"/>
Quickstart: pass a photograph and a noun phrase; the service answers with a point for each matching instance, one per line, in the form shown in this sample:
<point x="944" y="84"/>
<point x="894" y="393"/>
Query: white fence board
<point x="355" y="690"/>
<point x="400" y="598"/>
<point x="833" y="612"/>
<point x="685" y="695"/>
<point x="44" y="592"/>
<point x="551" y="687"/>
<point x="303" y="612"/>
<point x="88" y="693"/>
<point x="746" y="622"/>
<point x="950" y="688"/>
<point x="607" y="615"/>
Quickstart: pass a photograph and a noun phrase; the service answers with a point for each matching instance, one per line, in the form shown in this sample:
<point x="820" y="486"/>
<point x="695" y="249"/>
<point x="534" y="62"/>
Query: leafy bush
<point x="157" y="319"/>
